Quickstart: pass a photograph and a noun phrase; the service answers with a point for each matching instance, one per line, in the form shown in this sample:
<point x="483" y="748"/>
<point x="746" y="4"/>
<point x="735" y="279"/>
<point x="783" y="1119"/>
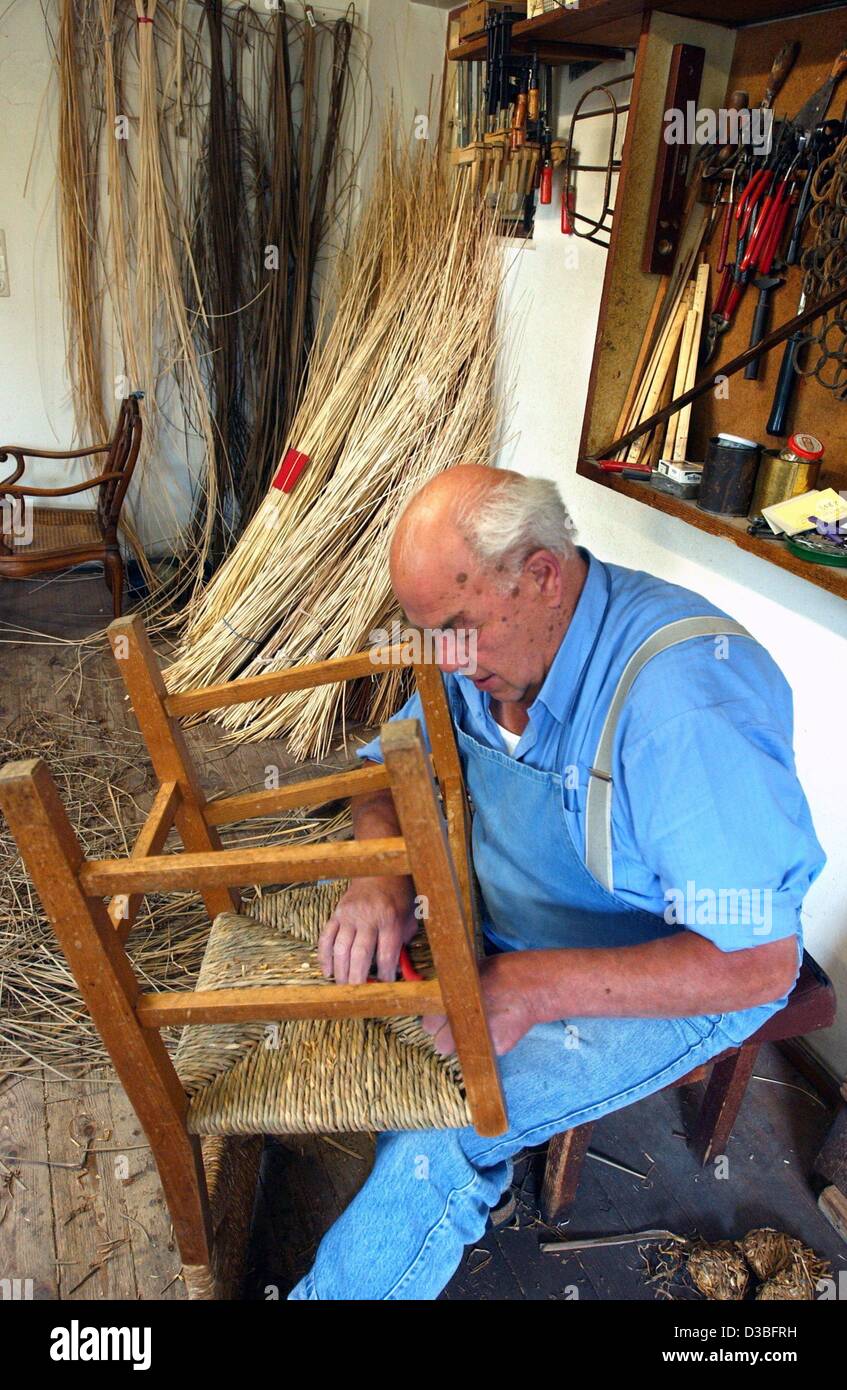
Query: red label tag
<point x="289" y="470"/>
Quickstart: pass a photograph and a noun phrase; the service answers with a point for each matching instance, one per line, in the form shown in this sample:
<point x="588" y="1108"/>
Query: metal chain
<point x="823" y="354"/>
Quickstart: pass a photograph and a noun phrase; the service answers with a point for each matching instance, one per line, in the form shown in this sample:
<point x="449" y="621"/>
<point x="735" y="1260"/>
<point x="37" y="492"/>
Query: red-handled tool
<point x="568" y="208"/>
<point x="407" y="970"/>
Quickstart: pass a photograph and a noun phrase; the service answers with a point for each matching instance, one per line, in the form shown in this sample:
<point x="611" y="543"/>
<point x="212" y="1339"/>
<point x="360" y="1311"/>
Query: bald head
<point x="490" y="551"/>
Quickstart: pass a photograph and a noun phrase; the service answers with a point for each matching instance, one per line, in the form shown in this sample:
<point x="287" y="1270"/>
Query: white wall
<point x="553" y="290"/>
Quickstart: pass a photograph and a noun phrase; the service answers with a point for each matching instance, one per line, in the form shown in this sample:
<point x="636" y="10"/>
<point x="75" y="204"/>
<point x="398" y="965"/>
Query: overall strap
<point x="598" y="806"/>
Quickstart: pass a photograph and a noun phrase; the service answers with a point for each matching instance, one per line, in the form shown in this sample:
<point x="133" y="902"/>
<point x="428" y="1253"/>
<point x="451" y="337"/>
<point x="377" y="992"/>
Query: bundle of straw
<point x="400" y="390"/>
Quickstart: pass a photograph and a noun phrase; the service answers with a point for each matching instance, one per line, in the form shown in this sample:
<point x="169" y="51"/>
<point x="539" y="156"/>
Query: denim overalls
<point x="430" y="1191"/>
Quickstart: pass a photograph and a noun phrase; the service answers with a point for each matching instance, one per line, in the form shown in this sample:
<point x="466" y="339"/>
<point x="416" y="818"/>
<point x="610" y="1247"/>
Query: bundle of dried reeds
<point x="401" y="389"/>
<point x="160" y="111"/>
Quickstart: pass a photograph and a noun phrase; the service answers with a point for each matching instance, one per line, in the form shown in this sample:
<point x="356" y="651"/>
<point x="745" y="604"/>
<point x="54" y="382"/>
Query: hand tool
<point x="778" y="419"/>
<point x="407" y="970"/>
<point x="533" y="93"/>
<point x="545" y="183"/>
<point x="765" y="284"/>
<point x="780" y="68"/>
<point x="727" y="223"/>
<point x="813" y="111"/>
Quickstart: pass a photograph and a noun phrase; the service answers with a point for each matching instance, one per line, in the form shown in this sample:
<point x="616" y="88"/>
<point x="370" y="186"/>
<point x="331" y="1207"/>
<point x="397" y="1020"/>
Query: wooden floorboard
<point x="104" y="1221"/>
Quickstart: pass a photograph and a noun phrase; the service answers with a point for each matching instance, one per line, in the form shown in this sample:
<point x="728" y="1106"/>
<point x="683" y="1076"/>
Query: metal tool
<point x="765" y="284"/>
<point x="813" y="111"/>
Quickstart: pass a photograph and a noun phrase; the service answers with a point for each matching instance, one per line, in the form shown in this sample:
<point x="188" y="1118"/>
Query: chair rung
<point x="316" y="791"/>
<point x="238" y="692"/>
<point x="231" y="867"/>
<point x="277" y="1002"/>
<point x="123" y="909"/>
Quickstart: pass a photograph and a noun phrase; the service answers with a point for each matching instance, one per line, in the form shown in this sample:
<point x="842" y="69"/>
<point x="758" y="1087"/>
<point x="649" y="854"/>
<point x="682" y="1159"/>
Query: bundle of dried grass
<point x="400" y="390"/>
<point x="153" y="116"/>
<point x="719" y="1271"/>
<point x="106" y="785"/>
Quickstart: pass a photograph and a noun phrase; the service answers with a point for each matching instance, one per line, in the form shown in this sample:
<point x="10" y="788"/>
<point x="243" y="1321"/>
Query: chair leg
<point x="114" y="576"/>
<point x="562" y="1171"/>
<point x="722" y="1102"/>
<point x="104" y="977"/>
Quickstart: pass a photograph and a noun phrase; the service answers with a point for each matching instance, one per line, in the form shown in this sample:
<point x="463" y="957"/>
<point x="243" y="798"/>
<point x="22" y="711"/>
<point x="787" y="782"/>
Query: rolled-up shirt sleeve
<point x="411" y="710"/>
<point x="719" y="815"/>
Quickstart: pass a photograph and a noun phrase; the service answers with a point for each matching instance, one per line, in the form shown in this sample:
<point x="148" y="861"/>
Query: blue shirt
<point x="709" y="821"/>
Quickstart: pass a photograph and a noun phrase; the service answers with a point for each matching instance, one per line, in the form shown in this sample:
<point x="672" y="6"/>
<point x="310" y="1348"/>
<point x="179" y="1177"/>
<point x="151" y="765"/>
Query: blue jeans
<point x="430" y="1191"/>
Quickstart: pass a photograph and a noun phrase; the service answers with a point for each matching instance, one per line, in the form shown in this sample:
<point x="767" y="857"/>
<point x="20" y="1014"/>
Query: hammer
<point x="765" y="284"/>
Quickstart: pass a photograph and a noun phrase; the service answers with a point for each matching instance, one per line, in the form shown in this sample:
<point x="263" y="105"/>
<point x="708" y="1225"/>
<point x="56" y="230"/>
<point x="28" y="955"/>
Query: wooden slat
<point x="355" y="782"/>
<point x="337" y="668"/>
<point x="448" y="770"/>
<point x="104" y="977"/>
<point x="123" y="910"/>
<point x="276" y="1002"/>
<point x="435" y="879"/>
<point x="267" y="864"/>
<point x="167" y="747"/>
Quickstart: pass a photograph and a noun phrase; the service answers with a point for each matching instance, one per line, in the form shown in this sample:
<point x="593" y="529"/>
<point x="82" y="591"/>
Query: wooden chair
<point x="92" y="932"/>
<point x="811" y="1005"/>
<point x="37" y="540"/>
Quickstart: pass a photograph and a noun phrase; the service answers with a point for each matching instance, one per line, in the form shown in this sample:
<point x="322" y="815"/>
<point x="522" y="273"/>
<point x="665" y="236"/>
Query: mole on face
<point x="461" y="578"/>
<point x="514" y="591"/>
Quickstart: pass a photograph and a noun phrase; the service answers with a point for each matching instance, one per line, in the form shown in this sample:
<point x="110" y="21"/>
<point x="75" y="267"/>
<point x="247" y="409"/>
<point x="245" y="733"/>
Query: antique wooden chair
<point x="36" y="540"/>
<point x="270" y="1046"/>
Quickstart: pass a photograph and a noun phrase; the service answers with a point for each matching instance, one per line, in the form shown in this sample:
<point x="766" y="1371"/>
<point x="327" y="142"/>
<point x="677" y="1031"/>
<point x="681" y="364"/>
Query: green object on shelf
<point x="819" y="551"/>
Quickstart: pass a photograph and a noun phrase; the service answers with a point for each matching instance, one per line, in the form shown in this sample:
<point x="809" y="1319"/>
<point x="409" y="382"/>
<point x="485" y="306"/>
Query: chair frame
<point x="121" y="456"/>
<point x="433" y="848"/>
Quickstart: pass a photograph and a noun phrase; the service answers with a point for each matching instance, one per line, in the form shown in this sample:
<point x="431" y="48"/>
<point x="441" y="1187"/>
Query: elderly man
<point x="641" y="842"/>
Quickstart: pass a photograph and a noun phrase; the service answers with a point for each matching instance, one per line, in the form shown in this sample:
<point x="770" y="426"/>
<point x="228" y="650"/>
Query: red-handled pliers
<point x="407" y="970"/>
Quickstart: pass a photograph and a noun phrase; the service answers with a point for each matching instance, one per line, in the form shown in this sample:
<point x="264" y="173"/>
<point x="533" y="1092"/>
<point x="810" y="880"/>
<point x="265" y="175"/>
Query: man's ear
<point x="545" y="571"/>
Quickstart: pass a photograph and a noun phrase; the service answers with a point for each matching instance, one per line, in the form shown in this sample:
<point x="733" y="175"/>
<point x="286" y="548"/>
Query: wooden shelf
<point x="729" y="528"/>
<point x="620" y="21"/>
<point x="549" y="51"/>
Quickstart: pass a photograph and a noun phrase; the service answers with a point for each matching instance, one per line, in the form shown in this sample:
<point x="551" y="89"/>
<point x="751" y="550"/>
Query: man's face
<point x="504" y="621"/>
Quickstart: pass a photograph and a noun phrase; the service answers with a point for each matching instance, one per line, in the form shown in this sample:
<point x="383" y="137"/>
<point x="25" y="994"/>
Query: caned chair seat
<point x="307" y="1076"/>
<point x="59" y="529"/>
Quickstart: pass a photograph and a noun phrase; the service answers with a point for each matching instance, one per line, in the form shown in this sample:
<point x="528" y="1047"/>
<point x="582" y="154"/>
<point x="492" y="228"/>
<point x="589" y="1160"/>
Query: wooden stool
<point x="92" y="932"/>
<point x="811" y="1005"/>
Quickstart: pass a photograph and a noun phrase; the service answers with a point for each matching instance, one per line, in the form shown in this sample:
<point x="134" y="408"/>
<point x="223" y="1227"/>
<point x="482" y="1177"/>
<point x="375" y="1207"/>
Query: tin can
<point x="787" y="473"/>
<point x="729" y="473"/>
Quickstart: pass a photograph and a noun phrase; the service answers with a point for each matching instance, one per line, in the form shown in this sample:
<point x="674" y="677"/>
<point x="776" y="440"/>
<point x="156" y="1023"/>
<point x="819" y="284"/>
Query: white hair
<point x="507" y="523"/>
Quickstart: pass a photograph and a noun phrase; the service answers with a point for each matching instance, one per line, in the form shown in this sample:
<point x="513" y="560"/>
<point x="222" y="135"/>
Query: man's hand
<point x="375" y="917"/>
<point x="507" y="1007"/>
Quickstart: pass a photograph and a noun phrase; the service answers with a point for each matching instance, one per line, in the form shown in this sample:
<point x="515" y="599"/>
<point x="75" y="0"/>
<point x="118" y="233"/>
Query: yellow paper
<point x="791" y="517"/>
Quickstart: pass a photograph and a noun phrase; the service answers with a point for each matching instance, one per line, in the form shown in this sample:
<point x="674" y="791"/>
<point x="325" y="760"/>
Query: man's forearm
<point x="374" y="818"/>
<point x="675" y="977"/>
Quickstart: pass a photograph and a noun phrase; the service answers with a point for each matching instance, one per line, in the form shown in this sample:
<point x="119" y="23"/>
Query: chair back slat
<point x="121" y="458"/>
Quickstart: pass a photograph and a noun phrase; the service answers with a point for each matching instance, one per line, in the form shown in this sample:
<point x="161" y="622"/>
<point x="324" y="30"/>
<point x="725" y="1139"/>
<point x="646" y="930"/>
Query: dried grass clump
<point x="798" y="1278"/>
<point x="719" y="1271"/>
<point x="768" y="1251"/>
<point x="401" y="389"/>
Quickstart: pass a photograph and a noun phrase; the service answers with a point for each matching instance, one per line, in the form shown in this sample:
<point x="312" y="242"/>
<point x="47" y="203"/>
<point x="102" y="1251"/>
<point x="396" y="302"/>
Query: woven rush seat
<point x="59" y="528"/>
<point x="307" y="1076"/>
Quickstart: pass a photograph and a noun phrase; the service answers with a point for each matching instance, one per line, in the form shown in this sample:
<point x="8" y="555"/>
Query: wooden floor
<point x="81" y="1214"/>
